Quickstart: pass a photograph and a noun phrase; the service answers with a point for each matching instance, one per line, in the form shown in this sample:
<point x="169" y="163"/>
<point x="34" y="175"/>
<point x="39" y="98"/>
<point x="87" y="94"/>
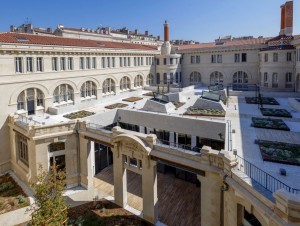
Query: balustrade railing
<point x="263" y="178"/>
<point x="26" y="120"/>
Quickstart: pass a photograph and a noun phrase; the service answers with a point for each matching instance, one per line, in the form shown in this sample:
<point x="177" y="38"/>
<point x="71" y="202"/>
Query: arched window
<point x="108" y="87"/>
<point x="240" y="77"/>
<point x="195" y="77"/>
<point x="138" y="81"/>
<point x="30" y="100"/>
<point x="63" y="94"/>
<point x="125" y="83"/>
<point x="216" y="78"/>
<point x="88" y="90"/>
<point x="165" y="78"/>
<point x="150" y="80"/>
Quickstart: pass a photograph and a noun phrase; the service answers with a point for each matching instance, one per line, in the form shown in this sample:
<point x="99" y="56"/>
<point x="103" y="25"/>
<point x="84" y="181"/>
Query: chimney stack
<point x="286" y="25"/>
<point x="166" y="32"/>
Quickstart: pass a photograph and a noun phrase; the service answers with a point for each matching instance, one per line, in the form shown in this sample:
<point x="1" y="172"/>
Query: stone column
<point x="142" y="129"/>
<point x="171" y="139"/>
<point x="194" y="141"/>
<point x="86" y="175"/>
<point x="149" y="191"/>
<point x="210" y="198"/>
<point x="120" y="178"/>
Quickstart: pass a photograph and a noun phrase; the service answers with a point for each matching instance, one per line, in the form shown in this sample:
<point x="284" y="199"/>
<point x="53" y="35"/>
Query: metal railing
<point x="263" y="178"/>
<point x="177" y="145"/>
<point x="98" y="127"/>
<point x="26" y="120"/>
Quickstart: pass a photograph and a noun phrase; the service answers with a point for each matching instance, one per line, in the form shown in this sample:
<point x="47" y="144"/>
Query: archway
<point x="195" y="78"/>
<point x="216" y="78"/>
<point x="30" y="100"/>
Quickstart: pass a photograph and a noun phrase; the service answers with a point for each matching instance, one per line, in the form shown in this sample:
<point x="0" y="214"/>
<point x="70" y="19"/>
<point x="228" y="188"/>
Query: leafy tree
<point x="50" y="206"/>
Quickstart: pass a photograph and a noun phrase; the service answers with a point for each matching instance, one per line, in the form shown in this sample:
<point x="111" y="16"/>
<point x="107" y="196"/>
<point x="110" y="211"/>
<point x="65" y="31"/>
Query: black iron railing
<point x="263" y="178"/>
<point x="177" y="145"/>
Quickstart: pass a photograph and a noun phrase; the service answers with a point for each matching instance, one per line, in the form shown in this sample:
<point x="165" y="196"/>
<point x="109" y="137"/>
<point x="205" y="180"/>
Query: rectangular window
<point x="19" y="64"/>
<point x="244" y="57"/>
<point x="298" y="54"/>
<point x="157" y="61"/>
<point x="219" y="58"/>
<point x="213" y="59"/>
<point x="236" y="57"/>
<point x="197" y="59"/>
<point x="113" y="62"/>
<point x="121" y="62"/>
<point x="70" y="63"/>
<point x="192" y="59"/>
<point x="275" y="80"/>
<point x="266" y="79"/>
<point x="39" y="64"/>
<point x="288" y="77"/>
<point x="171" y="61"/>
<point x="266" y="57"/>
<point x="103" y="62"/>
<point x="94" y="63"/>
<point x="22" y="149"/>
<point x="275" y="57"/>
<point x="288" y="80"/>
<point x="29" y="64"/>
<point x="142" y="61"/>
<point x="135" y="61"/>
<point x="108" y="61"/>
<point x="165" y="61"/>
<point x="125" y="61"/>
<point x="62" y="63"/>
<point x="139" y="61"/>
<point x="289" y="56"/>
<point x="88" y="63"/>
<point x="147" y="60"/>
<point x="81" y="63"/>
<point x="54" y="64"/>
<point x="176" y="77"/>
<point x="128" y="61"/>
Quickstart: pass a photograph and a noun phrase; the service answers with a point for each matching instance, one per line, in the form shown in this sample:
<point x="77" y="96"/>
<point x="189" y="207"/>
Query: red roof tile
<point x="11" y="37"/>
<point x="245" y="42"/>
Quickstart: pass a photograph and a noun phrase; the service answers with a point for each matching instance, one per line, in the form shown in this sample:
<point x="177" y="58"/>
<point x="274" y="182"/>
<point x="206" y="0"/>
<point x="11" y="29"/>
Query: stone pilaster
<point x="287" y="206"/>
<point x="120" y="178"/>
<point x="86" y="175"/>
<point x="210" y="198"/>
<point x="149" y="188"/>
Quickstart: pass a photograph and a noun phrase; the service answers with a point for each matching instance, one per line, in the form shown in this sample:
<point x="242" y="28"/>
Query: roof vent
<point x="22" y="39"/>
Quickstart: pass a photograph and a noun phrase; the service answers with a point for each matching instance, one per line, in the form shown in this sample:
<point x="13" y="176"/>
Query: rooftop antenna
<point x="27" y="20"/>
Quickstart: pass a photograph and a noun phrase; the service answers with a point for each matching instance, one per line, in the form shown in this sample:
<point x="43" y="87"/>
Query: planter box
<point x="279" y="152"/>
<point x="275" y="112"/>
<point x="206" y="112"/>
<point x="117" y="105"/>
<point x="265" y="100"/>
<point x="267" y="123"/>
<point x="132" y="99"/>
<point x="79" y="114"/>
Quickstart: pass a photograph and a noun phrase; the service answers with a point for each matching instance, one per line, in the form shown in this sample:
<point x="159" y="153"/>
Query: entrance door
<point x="103" y="157"/>
<point x="30" y="107"/>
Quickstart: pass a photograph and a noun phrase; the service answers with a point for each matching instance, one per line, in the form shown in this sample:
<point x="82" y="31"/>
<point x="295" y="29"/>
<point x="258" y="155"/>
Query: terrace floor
<point x="240" y="113"/>
<point x="178" y="200"/>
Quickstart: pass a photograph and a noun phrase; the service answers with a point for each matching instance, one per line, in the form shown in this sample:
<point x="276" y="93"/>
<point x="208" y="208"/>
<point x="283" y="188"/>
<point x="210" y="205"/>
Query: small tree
<point x="50" y="207"/>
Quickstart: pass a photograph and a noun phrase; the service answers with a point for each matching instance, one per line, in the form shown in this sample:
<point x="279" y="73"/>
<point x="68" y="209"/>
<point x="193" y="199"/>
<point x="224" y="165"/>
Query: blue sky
<point x="200" y="20"/>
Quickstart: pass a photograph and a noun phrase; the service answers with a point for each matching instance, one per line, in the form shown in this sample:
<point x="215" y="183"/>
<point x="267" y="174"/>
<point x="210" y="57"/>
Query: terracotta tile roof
<point x="280" y="47"/>
<point x="29" y="39"/>
<point x="281" y="38"/>
<point x="254" y="41"/>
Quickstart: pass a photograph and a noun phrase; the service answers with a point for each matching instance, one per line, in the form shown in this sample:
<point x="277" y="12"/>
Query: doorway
<point x="103" y="157"/>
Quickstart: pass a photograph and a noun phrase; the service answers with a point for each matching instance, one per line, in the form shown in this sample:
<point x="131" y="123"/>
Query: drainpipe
<point x="224" y="187"/>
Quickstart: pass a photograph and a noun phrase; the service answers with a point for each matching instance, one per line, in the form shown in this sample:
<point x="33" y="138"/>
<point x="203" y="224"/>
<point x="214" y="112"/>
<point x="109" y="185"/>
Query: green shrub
<point x="21" y="198"/>
<point x="6" y="186"/>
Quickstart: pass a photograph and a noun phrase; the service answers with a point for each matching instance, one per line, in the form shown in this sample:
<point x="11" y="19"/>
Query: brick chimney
<point x="286" y="25"/>
<point x="166" y="32"/>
